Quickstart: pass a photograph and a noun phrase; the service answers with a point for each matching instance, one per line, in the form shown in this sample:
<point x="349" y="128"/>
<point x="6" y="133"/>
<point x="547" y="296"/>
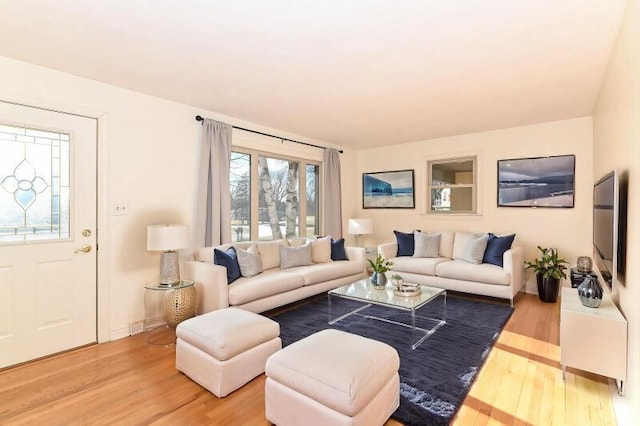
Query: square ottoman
<point x="332" y="378"/>
<point x="224" y="349"/>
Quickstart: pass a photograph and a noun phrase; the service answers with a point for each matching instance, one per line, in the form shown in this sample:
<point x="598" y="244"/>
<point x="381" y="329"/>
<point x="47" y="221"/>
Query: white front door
<point x="47" y="232"/>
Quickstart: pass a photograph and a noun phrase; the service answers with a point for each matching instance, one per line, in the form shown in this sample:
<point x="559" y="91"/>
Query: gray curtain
<point x="213" y="215"/>
<point x="332" y="206"/>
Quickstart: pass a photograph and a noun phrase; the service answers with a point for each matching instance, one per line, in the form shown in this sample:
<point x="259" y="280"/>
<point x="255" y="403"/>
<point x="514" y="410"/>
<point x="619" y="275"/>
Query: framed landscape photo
<point x="537" y="182"/>
<point x="388" y="190"/>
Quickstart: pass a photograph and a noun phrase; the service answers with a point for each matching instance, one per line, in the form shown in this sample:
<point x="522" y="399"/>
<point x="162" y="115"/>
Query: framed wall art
<point x="537" y="182"/>
<point x="388" y="190"/>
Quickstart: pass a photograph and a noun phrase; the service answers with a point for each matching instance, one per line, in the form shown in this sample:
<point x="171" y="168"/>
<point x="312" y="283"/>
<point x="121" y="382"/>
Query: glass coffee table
<point x="363" y="291"/>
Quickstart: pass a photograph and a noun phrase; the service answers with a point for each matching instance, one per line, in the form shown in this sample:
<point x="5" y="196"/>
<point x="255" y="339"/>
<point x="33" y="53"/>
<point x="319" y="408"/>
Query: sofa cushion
<point x="426" y="245"/>
<point x="496" y="246"/>
<point x="270" y="253"/>
<point x="228" y="259"/>
<point x="249" y="261"/>
<point x="321" y="250"/>
<point x="295" y="256"/>
<point x="474" y="250"/>
<point x="460" y="241"/>
<point x="337" y="250"/>
<point x="406" y="243"/>
<point x="446" y="244"/>
<point x="275" y="281"/>
<point x="465" y="271"/>
<point x="323" y="272"/>
<point x="417" y="265"/>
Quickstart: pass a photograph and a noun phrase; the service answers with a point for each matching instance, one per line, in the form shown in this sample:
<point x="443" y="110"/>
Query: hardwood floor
<point x="130" y="382"/>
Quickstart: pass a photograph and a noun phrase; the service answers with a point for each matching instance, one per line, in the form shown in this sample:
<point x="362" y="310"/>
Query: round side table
<point x="180" y="301"/>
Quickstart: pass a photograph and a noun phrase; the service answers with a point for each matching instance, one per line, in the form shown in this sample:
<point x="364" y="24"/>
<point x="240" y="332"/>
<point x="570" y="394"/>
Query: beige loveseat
<point x="274" y="286"/>
<point x="450" y="272"/>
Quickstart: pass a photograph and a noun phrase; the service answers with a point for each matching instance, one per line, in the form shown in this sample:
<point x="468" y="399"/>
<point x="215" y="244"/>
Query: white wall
<point x="617" y="146"/>
<point x="153" y="146"/>
<point x="568" y="229"/>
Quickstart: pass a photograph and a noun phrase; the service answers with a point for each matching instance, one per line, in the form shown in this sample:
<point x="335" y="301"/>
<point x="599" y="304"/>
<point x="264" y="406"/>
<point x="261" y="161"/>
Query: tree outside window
<point x="284" y="197"/>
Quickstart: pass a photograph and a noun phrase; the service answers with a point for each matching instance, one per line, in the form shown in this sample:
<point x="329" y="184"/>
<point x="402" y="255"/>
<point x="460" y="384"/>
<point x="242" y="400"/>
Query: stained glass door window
<point x="34" y="184"/>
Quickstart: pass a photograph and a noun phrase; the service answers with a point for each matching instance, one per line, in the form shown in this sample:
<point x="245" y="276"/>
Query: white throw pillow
<point x="460" y="241"/>
<point x="474" y="250"/>
<point x="249" y="261"/>
<point x="295" y="256"/>
<point x="270" y="253"/>
<point x="426" y="245"/>
<point x="321" y="250"/>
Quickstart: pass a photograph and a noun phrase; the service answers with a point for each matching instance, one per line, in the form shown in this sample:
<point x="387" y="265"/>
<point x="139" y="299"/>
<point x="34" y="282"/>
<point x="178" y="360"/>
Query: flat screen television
<point x="609" y="227"/>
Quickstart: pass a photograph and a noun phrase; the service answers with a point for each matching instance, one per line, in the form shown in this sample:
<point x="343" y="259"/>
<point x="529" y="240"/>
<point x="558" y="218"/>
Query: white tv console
<point x="593" y="339"/>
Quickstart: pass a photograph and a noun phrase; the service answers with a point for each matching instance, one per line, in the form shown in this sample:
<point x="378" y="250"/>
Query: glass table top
<point x="363" y="290"/>
<point x="178" y="285"/>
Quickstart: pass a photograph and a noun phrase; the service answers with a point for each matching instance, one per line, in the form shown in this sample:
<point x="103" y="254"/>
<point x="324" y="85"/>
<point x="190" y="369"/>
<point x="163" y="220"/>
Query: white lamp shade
<point x="167" y="237"/>
<point x="360" y="226"/>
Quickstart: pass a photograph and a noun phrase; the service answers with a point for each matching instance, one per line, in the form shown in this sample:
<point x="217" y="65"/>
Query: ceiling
<point x="359" y="73"/>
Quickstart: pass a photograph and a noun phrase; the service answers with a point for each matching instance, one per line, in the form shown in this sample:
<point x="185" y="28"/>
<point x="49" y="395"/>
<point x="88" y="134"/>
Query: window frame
<point x="476" y="188"/>
<point x="302" y="189"/>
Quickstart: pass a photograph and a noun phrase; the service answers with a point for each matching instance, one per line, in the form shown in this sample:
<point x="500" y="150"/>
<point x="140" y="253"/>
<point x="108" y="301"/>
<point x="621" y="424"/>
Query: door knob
<point x="84" y="249"/>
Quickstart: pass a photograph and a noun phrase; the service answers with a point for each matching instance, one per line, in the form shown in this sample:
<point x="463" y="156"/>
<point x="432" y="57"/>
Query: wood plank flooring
<point x="129" y="382"/>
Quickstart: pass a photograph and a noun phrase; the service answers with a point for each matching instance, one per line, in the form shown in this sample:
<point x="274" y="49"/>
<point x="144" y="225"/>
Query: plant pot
<point x="378" y="280"/>
<point x="548" y="288"/>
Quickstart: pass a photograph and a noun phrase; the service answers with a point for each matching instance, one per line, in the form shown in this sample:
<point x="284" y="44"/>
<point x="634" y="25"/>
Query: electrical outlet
<point x="120" y="209"/>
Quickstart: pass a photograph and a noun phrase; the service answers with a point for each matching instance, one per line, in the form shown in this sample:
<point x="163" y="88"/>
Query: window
<point x="272" y="196"/>
<point x="452" y="185"/>
<point x="34" y="184"/>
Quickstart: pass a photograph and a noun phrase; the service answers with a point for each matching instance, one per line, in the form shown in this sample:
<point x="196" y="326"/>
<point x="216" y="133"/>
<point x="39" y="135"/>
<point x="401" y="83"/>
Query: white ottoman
<point x="332" y="378"/>
<point x="224" y="349"/>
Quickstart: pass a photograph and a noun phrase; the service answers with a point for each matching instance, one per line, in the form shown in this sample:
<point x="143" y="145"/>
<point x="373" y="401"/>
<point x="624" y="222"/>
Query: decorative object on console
<point x="359" y="227"/>
<point x="577" y="277"/>
<point x="549" y="269"/>
<point x="379" y="266"/>
<point x="388" y="190"/>
<point x="584" y="264"/>
<point x="536" y="182"/>
<point x="590" y="292"/>
<point x="168" y="238"/>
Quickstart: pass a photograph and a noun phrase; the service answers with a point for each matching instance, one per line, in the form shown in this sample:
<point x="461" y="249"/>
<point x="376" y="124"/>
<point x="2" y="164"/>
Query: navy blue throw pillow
<point x="496" y="246"/>
<point x="337" y="250"/>
<point x="228" y="259"/>
<point x="406" y="243"/>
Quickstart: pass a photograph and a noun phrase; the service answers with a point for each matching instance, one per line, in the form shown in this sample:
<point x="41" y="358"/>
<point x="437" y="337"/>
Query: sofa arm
<point x="358" y="254"/>
<point x="388" y="250"/>
<point x="211" y="282"/>
<point x="512" y="262"/>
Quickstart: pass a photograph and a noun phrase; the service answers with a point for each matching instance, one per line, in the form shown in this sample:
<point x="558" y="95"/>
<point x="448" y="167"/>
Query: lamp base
<point x="169" y="268"/>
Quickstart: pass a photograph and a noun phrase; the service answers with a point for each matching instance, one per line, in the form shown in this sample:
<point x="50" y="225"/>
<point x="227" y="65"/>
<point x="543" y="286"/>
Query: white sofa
<point x="274" y="287"/>
<point x="459" y="275"/>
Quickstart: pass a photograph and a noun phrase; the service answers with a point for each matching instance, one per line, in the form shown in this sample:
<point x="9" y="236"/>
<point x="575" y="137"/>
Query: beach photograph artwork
<point x="536" y="182"/>
<point x="388" y="190"/>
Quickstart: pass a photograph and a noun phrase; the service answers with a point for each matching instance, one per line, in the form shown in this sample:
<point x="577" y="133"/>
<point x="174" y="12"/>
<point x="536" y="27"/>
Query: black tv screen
<point x="604" y="233"/>
<point x="610" y="226"/>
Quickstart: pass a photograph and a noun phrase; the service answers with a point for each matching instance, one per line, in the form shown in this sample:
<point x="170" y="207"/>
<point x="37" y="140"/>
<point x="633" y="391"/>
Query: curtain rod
<point x="201" y="118"/>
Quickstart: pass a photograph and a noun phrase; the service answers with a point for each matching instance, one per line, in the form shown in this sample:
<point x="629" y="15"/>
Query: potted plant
<point x="549" y="269"/>
<point x="380" y="265"/>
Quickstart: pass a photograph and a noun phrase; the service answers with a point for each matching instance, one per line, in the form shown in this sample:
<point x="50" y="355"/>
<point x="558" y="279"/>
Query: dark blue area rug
<point x="436" y="376"/>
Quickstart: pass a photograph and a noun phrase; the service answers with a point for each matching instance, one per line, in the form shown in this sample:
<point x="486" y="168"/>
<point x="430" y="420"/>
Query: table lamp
<point x="168" y="238"/>
<point x="359" y="227"/>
